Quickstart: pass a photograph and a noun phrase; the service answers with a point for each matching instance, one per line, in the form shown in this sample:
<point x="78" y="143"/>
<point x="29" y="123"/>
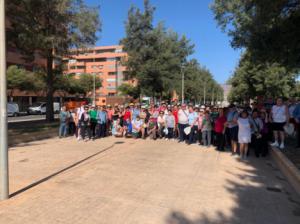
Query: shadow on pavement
<point x="259" y="199"/>
<point x="60" y="171"/>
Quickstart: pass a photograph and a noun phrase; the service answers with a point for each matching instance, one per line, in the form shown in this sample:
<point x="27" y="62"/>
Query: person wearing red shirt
<point x="220" y="129"/>
<point x="175" y="113"/>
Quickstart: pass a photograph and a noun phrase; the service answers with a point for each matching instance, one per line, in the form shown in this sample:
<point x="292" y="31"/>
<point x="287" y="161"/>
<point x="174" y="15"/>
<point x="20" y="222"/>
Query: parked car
<point x="40" y="108"/>
<point x="13" y="109"/>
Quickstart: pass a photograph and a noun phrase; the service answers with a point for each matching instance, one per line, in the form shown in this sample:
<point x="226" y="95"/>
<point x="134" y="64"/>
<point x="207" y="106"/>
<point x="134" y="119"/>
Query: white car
<point x="12" y="109"/>
<point x="40" y="108"/>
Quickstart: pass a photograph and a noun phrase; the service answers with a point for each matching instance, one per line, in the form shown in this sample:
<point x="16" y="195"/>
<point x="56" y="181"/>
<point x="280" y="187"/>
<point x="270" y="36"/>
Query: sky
<point x="192" y="18"/>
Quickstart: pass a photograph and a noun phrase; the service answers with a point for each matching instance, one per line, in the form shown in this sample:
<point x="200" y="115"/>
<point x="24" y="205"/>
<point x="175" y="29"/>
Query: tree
<point x="155" y="54"/>
<point x="49" y="29"/>
<point x="21" y="79"/>
<point x="268" y="29"/>
<point x="85" y="83"/>
<point x="199" y="82"/>
<point x="129" y="90"/>
<point x="269" y="80"/>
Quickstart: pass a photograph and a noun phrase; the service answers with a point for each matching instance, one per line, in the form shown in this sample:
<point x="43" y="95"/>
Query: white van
<point x="40" y="108"/>
<point x="13" y="109"/>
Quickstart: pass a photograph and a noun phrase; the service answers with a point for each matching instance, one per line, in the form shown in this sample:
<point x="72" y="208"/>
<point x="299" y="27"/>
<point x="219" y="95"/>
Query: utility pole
<point x="204" y="94"/>
<point x="94" y="89"/>
<point x="4" y="192"/>
<point x="213" y="93"/>
<point x="182" y="90"/>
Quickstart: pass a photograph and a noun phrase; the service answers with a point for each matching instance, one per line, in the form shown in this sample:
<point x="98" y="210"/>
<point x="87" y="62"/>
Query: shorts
<point x="136" y="134"/>
<point x="278" y="126"/>
<point x="233" y="133"/>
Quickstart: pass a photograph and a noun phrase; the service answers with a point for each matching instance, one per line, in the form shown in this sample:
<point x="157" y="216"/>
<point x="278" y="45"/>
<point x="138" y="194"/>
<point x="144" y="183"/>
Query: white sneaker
<point x="275" y="144"/>
<point x="281" y="146"/>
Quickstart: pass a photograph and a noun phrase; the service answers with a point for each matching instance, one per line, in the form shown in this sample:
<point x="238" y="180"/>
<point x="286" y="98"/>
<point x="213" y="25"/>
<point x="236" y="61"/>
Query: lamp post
<point x="182" y="89"/>
<point x="94" y="89"/>
<point x="4" y="191"/>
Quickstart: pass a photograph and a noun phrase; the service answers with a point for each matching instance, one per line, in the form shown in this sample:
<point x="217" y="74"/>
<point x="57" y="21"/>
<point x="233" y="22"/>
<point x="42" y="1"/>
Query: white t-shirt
<point x="183" y="116"/>
<point x="136" y="123"/>
<point x="279" y="114"/>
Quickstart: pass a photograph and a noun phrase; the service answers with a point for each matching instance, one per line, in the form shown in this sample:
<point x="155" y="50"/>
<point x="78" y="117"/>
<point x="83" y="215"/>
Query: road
<point x="127" y="181"/>
<point x="25" y="118"/>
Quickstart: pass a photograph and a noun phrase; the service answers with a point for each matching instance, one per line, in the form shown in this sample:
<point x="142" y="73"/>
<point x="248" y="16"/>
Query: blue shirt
<point x="192" y="117"/>
<point x="231" y="116"/>
<point x="296" y="113"/>
<point x="135" y="113"/>
<point x="101" y="117"/>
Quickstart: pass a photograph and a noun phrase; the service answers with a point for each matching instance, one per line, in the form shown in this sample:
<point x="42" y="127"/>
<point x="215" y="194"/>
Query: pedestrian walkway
<point x="141" y="181"/>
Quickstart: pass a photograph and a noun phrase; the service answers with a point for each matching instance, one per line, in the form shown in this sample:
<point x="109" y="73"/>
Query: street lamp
<point x="182" y="87"/>
<point x="4" y="191"/>
<point x="94" y="89"/>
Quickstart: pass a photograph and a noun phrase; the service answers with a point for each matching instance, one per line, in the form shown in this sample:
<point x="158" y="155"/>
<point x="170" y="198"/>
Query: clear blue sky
<point x="190" y="17"/>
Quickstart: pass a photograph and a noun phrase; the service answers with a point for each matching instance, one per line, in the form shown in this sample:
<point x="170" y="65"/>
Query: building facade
<point x="104" y="62"/>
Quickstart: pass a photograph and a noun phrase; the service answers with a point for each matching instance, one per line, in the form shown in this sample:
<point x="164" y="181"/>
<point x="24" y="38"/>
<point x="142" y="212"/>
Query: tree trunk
<point x="49" y="104"/>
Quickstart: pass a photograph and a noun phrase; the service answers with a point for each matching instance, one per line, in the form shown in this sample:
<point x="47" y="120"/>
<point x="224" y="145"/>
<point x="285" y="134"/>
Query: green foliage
<point x="47" y="28"/>
<point x="269" y="80"/>
<point x="268" y="29"/>
<point x="155" y="54"/>
<point x="129" y="90"/>
<point x="18" y="78"/>
<point x="199" y="84"/>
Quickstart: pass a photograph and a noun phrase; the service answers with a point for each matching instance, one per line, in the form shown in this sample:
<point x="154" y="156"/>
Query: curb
<point x="287" y="168"/>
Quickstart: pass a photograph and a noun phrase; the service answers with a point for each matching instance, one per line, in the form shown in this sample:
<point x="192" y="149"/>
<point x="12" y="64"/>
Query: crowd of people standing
<point x="237" y="128"/>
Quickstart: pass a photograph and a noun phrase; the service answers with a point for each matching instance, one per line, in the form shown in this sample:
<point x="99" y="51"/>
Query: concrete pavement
<point x="142" y="181"/>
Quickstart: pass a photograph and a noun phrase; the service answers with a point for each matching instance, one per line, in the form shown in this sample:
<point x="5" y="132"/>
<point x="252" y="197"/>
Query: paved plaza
<point x="141" y="181"/>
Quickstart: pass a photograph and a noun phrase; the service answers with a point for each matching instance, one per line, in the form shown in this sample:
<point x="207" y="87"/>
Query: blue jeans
<point x="206" y="138"/>
<point x="63" y="128"/>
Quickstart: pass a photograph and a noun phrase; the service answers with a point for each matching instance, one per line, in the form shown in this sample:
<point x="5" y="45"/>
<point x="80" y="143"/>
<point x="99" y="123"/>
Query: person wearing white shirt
<point x="183" y="119"/>
<point x="279" y="116"/>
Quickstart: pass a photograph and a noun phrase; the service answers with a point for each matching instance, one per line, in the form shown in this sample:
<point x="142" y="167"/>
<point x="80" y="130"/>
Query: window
<point x="101" y="51"/>
<point x="111" y="94"/>
<point x="100" y="59"/>
<point x="120" y="50"/>
<point x="73" y="67"/>
<point x="111" y="59"/>
<point x="111" y="66"/>
<point x="72" y="61"/>
<point x="111" y="88"/>
<point x="100" y="73"/>
<point x="126" y="76"/>
<point x="110" y="80"/>
<point x="86" y="60"/>
<point x="112" y="73"/>
<point x="80" y="67"/>
<point x="100" y="66"/>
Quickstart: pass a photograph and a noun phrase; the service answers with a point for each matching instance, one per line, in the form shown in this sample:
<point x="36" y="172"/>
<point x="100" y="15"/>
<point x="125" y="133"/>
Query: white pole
<point x="94" y="90"/>
<point x="182" y="93"/>
<point x="4" y="191"/>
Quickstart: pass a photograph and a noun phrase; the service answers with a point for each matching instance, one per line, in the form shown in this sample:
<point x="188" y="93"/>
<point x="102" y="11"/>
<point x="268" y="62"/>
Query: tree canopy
<point x="155" y="53"/>
<point x="48" y="29"/>
<point x="267" y="80"/>
<point x="268" y="29"/>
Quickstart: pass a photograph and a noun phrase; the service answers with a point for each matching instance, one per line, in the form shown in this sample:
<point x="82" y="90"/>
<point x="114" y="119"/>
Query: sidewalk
<point x="134" y="181"/>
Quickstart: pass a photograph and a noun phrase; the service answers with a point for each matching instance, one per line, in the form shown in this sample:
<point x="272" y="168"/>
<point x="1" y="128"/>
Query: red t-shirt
<point x="175" y="113"/>
<point x="127" y="115"/>
<point x="219" y="124"/>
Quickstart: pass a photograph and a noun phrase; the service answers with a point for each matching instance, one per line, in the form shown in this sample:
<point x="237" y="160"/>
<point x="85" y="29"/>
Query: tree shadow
<point x="261" y="196"/>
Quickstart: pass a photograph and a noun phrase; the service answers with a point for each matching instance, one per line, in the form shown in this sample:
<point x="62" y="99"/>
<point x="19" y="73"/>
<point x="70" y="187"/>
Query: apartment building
<point x="104" y="62"/>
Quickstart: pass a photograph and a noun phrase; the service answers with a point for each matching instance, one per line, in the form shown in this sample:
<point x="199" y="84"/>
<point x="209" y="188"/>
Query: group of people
<point x="234" y="127"/>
